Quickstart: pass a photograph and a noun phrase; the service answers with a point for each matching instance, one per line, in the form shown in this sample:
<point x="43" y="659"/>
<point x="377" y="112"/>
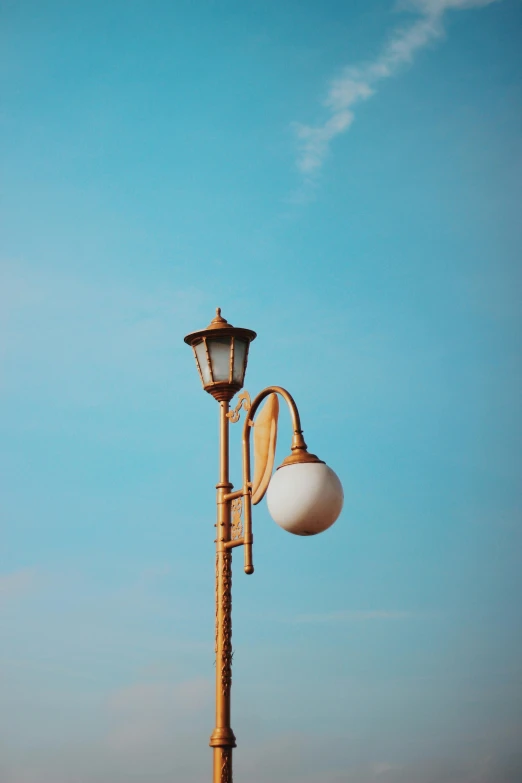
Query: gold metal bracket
<point x="237" y="521"/>
<point x="243" y="401"/>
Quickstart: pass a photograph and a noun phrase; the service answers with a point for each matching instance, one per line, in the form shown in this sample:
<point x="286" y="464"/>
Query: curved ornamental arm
<point x="305" y="496"/>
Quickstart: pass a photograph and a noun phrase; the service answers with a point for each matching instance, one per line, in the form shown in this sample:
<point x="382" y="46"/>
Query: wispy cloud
<point x="358" y="83"/>
<point x="346" y="615"/>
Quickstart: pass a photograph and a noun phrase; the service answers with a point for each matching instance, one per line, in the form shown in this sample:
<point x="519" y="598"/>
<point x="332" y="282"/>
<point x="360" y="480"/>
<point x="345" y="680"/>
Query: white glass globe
<point x="305" y="498"/>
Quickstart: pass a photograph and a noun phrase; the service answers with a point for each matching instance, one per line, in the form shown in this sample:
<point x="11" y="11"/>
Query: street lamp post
<point x="304" y="496"/>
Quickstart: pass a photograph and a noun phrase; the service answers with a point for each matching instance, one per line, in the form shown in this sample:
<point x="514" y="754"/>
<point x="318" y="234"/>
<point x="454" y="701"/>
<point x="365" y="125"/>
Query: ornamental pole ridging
<point x="223" y="739"/>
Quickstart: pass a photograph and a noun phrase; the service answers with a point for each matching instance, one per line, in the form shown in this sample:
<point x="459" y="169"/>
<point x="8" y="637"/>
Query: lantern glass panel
<point x="201" y="355"/>
<point x="219" y="349"/>
<point x="240" y="353"/>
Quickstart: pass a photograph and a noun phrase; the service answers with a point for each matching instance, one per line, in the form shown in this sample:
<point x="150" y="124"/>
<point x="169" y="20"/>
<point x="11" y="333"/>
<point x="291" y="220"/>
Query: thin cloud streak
<point x="350" y="615"/>
<point x="358" y="83"/>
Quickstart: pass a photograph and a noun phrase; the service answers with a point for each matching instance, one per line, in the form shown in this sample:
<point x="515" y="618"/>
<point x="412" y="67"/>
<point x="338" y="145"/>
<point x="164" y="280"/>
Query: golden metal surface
<point x="265" y="440"/>
<point x="243" y="401"/>
<point x="221" y="326"/>
<point x="226" y="766"/>
<point x="299" y="456"/>
<point x="218" y="322"/>
<point x="222" y="739"/>
<point x="237" y="522"/>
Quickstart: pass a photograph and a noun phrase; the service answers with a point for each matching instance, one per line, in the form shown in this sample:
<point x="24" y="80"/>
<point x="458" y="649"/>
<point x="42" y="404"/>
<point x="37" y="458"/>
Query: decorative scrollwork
<point x="237" y="522"/>
<point x="226" y="612"/>
<point x="216" y="634"/>
<point x="226" y="766"/>
<point x="243" y="401"/>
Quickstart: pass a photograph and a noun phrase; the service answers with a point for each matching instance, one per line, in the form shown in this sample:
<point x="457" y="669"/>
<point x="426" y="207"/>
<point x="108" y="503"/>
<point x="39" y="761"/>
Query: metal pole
<point x="222" y="739"/>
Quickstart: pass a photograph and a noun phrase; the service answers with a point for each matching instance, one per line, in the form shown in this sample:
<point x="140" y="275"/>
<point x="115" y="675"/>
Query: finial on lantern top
<point x="218" y="322"/>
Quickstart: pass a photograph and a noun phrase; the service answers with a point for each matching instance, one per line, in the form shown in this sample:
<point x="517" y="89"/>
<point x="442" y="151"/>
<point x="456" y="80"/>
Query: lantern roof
<point x="219" y="326"/>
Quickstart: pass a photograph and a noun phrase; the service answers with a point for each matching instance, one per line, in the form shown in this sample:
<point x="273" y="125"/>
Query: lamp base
<point x="222" y="391"/>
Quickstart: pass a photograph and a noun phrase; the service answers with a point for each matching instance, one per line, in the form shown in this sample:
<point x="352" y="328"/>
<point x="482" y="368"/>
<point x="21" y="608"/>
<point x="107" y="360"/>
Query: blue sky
<point x="344" y="178"/>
